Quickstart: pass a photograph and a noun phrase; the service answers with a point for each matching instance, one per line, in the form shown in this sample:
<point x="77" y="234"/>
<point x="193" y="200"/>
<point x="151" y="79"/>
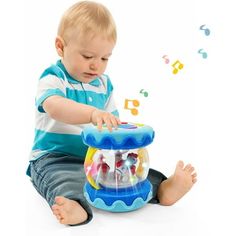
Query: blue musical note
<point x="204" y="54"/>
<point x="206" y="30"/>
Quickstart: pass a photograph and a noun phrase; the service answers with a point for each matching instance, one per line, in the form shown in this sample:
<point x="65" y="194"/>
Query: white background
<point x="192" y="112"/>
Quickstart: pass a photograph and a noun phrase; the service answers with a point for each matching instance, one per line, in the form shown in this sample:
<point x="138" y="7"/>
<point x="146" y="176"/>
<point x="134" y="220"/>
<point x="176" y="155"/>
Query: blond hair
<point x="87" y="18"/>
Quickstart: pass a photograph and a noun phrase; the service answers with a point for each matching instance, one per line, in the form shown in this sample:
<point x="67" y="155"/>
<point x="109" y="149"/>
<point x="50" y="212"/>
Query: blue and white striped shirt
<point x="55" y="136"/>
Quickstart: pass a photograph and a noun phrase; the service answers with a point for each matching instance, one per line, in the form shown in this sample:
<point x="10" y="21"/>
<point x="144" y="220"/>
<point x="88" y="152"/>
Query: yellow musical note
<point x="180" y="67"/>
<point x="135" y="103"/>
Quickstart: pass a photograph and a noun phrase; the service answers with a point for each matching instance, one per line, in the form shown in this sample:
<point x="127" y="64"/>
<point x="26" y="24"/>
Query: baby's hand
<point x="99" y="118"/>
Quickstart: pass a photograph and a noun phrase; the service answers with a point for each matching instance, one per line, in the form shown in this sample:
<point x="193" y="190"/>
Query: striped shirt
<point x="55" y="136"/>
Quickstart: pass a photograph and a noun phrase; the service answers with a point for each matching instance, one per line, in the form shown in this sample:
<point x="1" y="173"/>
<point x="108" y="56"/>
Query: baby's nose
<point x="94" y="65"/>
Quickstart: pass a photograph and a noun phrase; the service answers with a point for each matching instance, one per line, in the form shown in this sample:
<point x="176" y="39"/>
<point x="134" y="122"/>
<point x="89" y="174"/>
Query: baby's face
<point x="86" y="58"/>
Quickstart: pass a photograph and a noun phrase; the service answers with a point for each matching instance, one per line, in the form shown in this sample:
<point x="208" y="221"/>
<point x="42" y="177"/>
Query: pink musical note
<point x="179" y="65"/>
<point x="165" y="57"/>
<point x="135" y="103"/>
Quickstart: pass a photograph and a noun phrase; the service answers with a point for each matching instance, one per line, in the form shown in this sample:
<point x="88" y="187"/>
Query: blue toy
<point x="116" y="166"/>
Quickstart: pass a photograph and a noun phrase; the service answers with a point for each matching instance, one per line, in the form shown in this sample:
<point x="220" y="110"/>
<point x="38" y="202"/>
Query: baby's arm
<point x="71" y="112"/>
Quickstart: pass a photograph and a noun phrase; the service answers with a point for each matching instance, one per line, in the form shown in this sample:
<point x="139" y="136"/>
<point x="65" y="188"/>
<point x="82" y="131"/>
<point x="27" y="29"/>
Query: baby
<point x="72" y="93"/>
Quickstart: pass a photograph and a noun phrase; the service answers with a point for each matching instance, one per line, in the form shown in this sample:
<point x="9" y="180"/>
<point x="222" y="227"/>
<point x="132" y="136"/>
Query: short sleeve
<point x="50" y="83"/>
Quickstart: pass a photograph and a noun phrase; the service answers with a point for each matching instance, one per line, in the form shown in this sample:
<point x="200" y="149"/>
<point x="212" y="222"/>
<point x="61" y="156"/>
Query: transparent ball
<point x="116" y="168"/>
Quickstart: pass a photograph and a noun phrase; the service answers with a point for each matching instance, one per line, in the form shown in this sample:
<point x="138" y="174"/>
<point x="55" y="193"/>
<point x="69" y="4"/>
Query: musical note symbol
<point x="180" y="67"/>
<point x="204" y="54"/>
<point x="135" y="103"/>
<point x="166" y="59"/>
<point x="144" y="93"/>
<point x="206" y="30"/>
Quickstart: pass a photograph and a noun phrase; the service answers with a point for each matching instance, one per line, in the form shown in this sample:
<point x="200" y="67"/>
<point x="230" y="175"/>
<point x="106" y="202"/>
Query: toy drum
<point x="116" y="167"/>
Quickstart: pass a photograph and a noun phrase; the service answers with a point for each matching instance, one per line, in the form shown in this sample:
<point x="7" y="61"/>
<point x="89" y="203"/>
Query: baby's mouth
<point x="90" y="74"/>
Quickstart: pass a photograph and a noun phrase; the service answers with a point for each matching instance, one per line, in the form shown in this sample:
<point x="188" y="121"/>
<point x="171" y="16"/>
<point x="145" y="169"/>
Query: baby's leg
<point x="60" y="180"/>
<point x="176" y="186"/>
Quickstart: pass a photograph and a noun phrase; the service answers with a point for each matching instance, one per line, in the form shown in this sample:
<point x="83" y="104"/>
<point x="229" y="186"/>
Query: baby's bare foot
<point x="68" y="211"/>
<point x="175" y="187"/>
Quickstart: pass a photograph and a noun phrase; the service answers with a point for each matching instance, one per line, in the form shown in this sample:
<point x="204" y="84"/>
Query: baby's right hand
<point x="99" y="118"/>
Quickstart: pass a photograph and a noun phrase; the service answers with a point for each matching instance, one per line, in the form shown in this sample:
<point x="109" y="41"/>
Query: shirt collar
<point x="96" y="82"/>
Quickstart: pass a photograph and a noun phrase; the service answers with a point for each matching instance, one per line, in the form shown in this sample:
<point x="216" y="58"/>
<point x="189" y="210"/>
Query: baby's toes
<point x="55" y="207"/>
<point x="55" y="212"/>
<point x="194" y="178"/>
<point x="58" y="212"/>
<point x="63" y="221"/>
<point x="194" y="175"/>
<point x="191" y="169"/>
<point x="188" y="167"/>
<point x="62" y="214"/>
<point x="59" y="217"/>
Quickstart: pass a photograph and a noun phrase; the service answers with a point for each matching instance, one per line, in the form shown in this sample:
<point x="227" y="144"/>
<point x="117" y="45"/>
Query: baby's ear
<point x="59" y="44"/>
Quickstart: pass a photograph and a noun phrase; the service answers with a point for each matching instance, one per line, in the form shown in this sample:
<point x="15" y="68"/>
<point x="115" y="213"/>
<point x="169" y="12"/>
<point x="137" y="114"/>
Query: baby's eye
<point x="86" y="57"/>
<point x="105" y="59"/>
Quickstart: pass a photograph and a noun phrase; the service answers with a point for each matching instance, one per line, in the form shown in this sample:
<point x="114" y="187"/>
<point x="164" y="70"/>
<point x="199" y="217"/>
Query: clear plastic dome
<point x="116" y="168"/>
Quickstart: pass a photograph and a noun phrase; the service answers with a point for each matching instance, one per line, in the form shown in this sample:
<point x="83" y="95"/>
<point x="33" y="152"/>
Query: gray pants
<point x="62" y="175"/>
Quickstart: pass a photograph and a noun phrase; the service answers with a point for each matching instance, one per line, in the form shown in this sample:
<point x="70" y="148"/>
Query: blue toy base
<point x="119" y="200"/>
